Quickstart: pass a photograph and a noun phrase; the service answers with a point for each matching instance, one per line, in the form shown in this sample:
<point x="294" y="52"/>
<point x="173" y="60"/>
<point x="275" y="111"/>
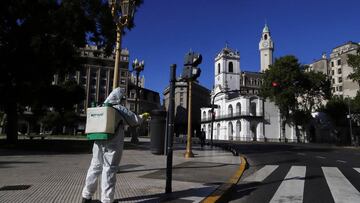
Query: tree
<point x="315" y="87"/>
<point x="280" y="85"/>
<point x="41" y="38"/>
<point x="354" y="62"/>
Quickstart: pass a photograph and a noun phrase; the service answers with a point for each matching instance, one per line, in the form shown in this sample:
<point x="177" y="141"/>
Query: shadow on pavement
<point x="7" y="164"/>
<point x="173" y="197"/>
<point x="268" y="147"/>
<point x="246" y="188"/>
<point x="44" y="147"/>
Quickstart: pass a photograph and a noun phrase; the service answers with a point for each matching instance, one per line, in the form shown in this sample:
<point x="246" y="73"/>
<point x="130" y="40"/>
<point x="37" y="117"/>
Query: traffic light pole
<point x="188" y="153"/>
<point x="170" y="129"/>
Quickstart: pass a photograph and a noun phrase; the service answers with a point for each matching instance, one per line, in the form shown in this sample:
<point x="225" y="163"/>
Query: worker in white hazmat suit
<point x="107" y="153"/>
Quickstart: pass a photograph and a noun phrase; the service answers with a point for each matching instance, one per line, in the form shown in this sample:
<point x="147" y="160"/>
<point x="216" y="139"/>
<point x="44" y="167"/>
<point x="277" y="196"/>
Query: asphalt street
<point x="298" y="173"/>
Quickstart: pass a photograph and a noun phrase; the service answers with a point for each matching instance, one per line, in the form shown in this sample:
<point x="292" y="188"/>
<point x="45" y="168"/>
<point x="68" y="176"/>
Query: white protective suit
<point x="107" y="153"/>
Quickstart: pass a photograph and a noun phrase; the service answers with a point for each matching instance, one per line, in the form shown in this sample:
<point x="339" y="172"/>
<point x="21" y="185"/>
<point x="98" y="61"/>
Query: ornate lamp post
<point x="138" y="66"/>
<point x="122" y="12"/>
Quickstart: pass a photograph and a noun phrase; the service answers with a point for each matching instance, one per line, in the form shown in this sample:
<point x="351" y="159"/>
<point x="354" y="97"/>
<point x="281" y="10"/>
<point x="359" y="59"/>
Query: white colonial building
<point x="240" y="114"/>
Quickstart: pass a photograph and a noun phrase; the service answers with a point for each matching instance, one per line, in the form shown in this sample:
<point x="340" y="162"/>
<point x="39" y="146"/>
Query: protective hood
<point x="115" y="96"/>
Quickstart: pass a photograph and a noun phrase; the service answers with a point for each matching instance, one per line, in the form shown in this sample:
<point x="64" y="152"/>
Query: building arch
<point x="230" y="131"/>
<point x="238" y="129"/>
<point x="217" y="131"/>
<point x="230" y="110"/>
<point x="253" y="106"/>
<point x="238" y="108"/>
<point x="253" y="130"/>
<point x="208" y="134"/>
<point x="209" y="114"/>
<point x="204" y="115"/>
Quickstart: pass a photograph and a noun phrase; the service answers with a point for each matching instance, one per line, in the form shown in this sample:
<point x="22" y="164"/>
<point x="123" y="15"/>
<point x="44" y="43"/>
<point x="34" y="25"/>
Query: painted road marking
<point x="261" y="174"/>
<point x="291" y="188"/>
<point x="302" y="154"/>
<point x="357" y="169"/>
<point x="341" y="161"/>
<point x="320" y="157"/>
<point x="340" y="187"/>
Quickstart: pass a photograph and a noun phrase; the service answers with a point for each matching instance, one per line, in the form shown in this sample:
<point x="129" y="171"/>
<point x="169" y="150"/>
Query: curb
<point x="219" y="194"/>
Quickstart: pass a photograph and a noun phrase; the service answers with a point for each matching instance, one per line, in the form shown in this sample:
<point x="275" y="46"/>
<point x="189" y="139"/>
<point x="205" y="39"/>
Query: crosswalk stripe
<point x="261" y="174"/>
<point x="291" y="188"/>
<point x="341" y="189"/>
<point x="357" y="169"/>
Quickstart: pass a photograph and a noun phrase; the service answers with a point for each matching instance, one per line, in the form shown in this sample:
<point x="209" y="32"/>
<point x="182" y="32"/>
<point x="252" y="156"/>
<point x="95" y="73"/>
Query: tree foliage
<point x="295" y="92"/>
<point x="41" y="38"/>
<point x="280" y="84"/>
<point x="337" y="109"/>
<point x="354" y="62"/>
<point x="314" y="88"/>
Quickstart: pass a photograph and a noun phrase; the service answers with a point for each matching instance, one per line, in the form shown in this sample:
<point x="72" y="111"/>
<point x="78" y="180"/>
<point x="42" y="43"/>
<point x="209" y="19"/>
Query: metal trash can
<point x="157" y="131"/>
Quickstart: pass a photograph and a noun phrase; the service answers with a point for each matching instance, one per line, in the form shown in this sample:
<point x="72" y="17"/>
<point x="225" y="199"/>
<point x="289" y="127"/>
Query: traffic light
<point x="191" y="61"/>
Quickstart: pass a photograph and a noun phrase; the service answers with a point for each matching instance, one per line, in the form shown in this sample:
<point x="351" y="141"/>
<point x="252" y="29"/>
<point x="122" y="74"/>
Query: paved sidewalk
<point x="59" y="177"/>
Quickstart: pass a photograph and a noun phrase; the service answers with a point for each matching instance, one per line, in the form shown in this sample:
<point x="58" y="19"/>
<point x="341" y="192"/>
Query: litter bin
<point x="157" y="131"/>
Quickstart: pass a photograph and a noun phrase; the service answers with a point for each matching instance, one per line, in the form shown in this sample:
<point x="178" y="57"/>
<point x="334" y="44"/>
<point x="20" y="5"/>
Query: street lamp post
<point x="350" y="126"/>
<point x="138" y="66"/>
<point x="122" y="12"/>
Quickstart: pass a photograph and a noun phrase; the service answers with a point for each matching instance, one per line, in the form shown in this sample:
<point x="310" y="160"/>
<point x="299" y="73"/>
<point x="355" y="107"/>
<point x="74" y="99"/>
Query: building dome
<point x="266" y="29"/>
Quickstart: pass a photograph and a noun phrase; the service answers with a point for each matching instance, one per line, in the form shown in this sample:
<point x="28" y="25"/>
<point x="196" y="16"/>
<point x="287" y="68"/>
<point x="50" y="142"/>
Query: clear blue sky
<point x="167" y="29"/>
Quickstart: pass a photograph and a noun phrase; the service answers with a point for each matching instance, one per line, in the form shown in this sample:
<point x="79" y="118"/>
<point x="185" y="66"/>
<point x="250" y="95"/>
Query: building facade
<point x="240" y="113"/>
<point x="200" y="97"/>
<point x="338" y="70"/>
<point x="96" y="77"/>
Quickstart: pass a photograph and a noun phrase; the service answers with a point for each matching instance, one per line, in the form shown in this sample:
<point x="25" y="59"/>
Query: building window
<point x="339" y="71"/>
<point x="332" y="72"/>
<point x="231" y="67"/>
<point x="253" y="108"/>
<point x="340" y="79"/>
<point x="132" y="95"/>
<point x="238" y="108"/>
<point x="230" y="110"/>
<point x="340" y="88"/>
<point x="333" y="81"/>
<point x="339" y="62"/>
<point x="218" y="68"/>
<point x="132" y="107"/>
<point x="333" y="89"/>
<point x="332" y="63"/>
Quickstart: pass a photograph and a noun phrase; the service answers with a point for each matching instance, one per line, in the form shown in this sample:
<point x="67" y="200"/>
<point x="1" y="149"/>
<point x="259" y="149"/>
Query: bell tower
<point x="227" y="70"/>
<point x="266" y="47"/>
